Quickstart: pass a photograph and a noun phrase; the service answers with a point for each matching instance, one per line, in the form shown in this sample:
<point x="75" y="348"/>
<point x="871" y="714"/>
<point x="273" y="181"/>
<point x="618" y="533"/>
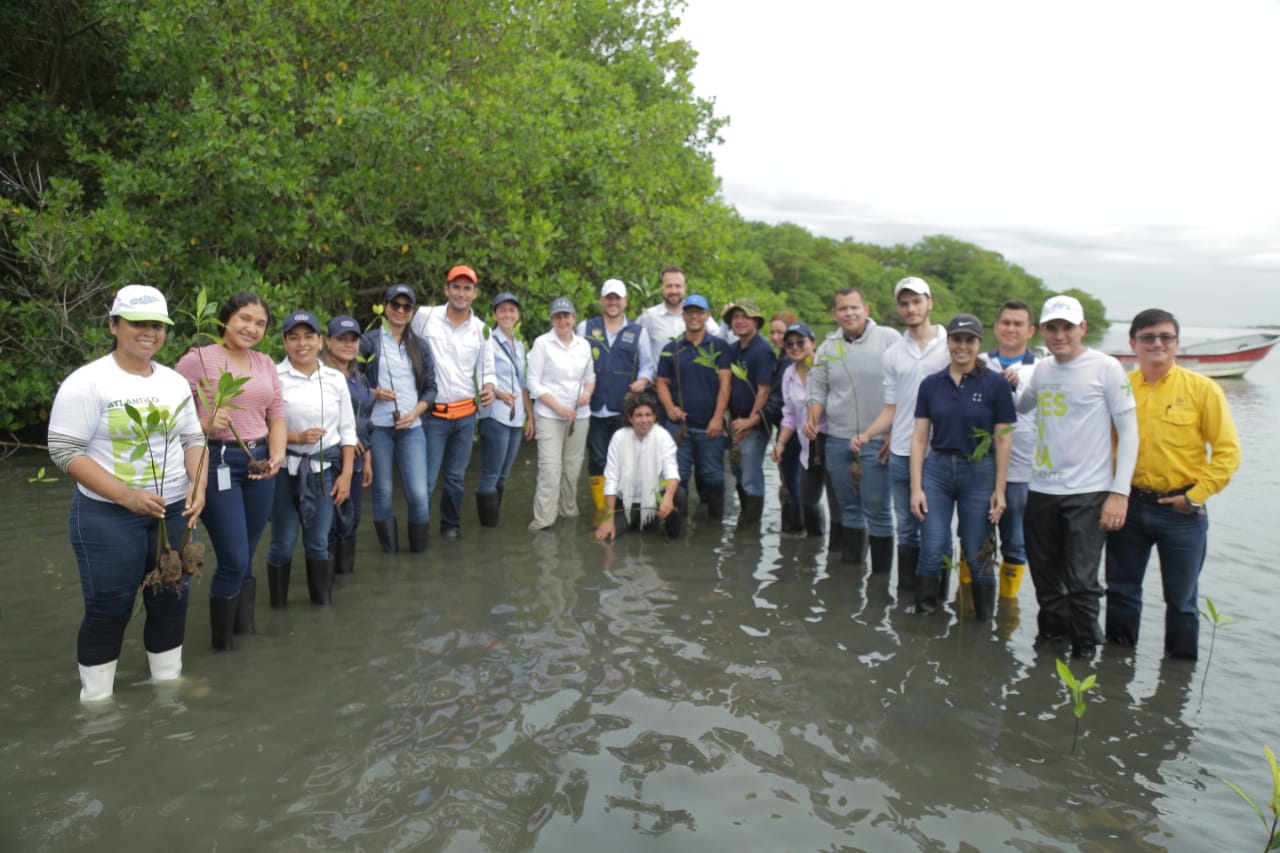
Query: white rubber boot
<point x="165" y="666"/>
<point x="97" y="682"/>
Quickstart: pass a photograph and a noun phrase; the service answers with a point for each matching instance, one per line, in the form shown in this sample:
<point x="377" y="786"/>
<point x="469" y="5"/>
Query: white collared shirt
<point x="463" y="363"/>
<point x="319" y="400"/>
<point x="905" y="367"/>
<point x="563" y="370"/>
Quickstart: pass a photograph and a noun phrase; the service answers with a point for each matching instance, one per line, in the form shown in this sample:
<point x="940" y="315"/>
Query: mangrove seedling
<point x="984" y="441"/>
<point x="1273" y="827"/>
<point x="1077" y="689"/>
<point x="41" y="478"/>
<point x="1214" y="617"/>
<point x="167" y="573"/>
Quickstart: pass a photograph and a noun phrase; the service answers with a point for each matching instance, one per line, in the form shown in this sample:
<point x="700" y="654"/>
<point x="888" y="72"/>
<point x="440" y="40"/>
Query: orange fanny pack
<point x="453" y="411"/>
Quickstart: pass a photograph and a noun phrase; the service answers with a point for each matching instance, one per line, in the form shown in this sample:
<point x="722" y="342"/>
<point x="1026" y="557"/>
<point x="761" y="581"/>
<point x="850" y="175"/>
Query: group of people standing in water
<point x="898" y="431"/>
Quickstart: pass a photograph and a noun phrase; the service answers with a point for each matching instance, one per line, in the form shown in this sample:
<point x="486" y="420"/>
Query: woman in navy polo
<point x="959" y="461"/>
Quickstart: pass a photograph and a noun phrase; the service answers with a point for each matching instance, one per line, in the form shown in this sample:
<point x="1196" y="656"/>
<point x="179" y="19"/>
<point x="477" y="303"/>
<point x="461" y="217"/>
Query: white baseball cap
<point x="914" y="284"/>
<point x="1062" y="307"/>
<point x="139" y="303"/>
<point x="614" y="287"/>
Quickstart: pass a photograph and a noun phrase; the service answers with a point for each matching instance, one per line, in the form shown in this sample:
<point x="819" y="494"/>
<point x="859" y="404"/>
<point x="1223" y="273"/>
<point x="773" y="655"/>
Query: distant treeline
<point x="317" y="151"/>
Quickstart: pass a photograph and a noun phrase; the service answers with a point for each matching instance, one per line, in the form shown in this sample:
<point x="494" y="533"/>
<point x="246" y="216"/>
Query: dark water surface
<point x="732" y="691"/>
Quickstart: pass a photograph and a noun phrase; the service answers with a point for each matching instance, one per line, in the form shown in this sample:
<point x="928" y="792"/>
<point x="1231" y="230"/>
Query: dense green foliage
<point x="317" y="150"/>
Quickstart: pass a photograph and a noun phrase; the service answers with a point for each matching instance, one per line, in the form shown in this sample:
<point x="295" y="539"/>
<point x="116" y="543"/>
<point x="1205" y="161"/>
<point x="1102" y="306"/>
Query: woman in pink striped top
<point x="240" y="488"/>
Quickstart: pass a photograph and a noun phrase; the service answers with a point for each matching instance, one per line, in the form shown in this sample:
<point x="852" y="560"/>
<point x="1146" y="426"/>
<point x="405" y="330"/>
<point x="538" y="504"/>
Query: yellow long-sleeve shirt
<point x="1186" y="434"/>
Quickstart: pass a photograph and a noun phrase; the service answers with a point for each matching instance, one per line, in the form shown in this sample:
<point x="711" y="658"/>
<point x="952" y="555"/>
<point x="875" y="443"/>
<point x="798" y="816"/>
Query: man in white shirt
<point x="920" y="351"/>
<point x="1077" y="493"/>
<point x="464" y="372"/>
<point x="665" y="321"/>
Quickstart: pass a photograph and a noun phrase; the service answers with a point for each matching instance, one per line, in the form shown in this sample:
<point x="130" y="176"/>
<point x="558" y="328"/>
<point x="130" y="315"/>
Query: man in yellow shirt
<point x="1187" y="451"/>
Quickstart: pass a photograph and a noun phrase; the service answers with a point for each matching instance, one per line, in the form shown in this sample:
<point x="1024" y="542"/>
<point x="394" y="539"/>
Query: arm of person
<point x="663" y="386"/>
<point x="427" y="388"/>
<point x="919" y="448"/>
<point x="715" y="427"/>
<point x="1003" y="442"/>
<point x="277" y="441"/>
<point x="607" y="528"/>
<point x="1219" y="432"/>
<point x="488" y="371"/>
<point x="784" y="435"/>
<point x="1116" y="506"/>
<point x="742" y="426"/>
<point x="645" y="365"/>
<point x="197" y="474"/>
<point x="529" y="429"/>
<point x="815" y="415"/>
<point x="880" y="424"/>
<point x="88" y="473"/>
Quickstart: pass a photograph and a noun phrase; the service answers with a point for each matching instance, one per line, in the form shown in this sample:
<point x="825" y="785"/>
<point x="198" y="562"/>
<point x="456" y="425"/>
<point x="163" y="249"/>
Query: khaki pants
<point x="559" y="465"/>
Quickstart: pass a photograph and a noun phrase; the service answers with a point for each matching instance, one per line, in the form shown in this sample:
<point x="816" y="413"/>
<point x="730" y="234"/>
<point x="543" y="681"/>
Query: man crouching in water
<point x="641" y="477"/>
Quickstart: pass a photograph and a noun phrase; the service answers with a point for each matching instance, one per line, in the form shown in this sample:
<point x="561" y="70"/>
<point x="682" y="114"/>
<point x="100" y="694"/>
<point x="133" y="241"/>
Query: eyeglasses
<point x="794" y="343"/>
<point x="400" y="306"/>
<point x="1164" y="338"/>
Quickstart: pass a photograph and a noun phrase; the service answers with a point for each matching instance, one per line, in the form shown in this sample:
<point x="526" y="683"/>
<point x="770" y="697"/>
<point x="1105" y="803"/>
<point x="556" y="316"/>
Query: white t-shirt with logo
<point x="90" y="406"/>
<point x="1075" y="404"/>
<point x="1024" y="435"/>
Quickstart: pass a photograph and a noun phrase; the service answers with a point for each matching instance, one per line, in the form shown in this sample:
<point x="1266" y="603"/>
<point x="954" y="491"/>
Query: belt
<point x="454" y="411"/>
<point x="1147" y="496"/>
<point x="235" y="445"/>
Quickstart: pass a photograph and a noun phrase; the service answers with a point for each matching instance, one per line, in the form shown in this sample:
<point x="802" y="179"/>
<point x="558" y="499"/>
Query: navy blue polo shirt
<point x="982" y="399"/>
<point x="758" y="358"/>
<point x="695" y="386"/>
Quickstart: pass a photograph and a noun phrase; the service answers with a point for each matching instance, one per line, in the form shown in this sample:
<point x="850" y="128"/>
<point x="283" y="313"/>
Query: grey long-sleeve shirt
<point x="848" y="380"/>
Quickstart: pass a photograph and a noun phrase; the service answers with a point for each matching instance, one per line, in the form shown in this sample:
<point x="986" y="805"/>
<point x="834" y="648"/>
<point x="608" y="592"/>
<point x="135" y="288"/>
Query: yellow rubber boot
<point x="1011" y="578"/>
<point x="597" y="497"/>
<point x="965" y="577"/>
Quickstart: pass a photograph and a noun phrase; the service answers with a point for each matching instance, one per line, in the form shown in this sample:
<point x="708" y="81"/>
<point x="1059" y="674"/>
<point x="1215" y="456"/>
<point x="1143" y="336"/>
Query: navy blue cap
<point x="342" y="324"/>
<point x="561" y="306"/>
<point x="505" y="296"/>
<point x="696" y="300"/>
<point x="799" y="329"/>
<point x="965" y="324"/>
<point x="301" y="318"/>
<point x="401" y="290"/>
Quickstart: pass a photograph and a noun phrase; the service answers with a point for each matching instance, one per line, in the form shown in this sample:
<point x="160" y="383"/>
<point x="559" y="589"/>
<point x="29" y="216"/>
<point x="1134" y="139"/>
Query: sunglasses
<point x="794" y="343"/>
<point x="400" y="306"/>
<point x="1164" y="338"/>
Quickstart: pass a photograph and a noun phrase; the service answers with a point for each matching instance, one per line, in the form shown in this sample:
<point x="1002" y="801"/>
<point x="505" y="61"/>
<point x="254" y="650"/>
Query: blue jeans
<point x="701" y="457"/>
<point x="407" y="449"/>
<point x="789" y="468"/>
<point x="115" y="548"/>
<point x="449" y="452"/>
<point x="900" y="485"/>
<point x="867" y="507"/>
<point x="342" y="530"/>
<point x="1180" y="540"/>
<point x="499" y="446"/>
<point x="750" y="471"/>
<point x="285" y="520"/>
<point x="954" y="485"/>
<point x="235" y="519"/>
<point x="1013" y="542"/>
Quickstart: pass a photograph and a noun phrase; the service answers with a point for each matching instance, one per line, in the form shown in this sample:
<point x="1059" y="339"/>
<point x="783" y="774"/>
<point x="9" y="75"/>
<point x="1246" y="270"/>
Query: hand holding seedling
<point x="143" y="503"/>
<point x="310" y="436"/>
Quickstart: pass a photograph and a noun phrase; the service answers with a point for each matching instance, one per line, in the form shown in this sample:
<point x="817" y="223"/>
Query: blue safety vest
<point x="616" y="365"/>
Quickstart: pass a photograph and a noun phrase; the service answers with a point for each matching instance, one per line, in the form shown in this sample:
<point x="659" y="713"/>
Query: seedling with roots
<point x="1273" y="827"/>
<point x="1214" y="617"/>
<point x="1078" y="689"/>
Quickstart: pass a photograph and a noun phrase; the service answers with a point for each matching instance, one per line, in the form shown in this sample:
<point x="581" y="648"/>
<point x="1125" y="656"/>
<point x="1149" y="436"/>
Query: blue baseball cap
<point x="342" y="324"/>
<point x="562" y="306"/>
<point x="401" y="290"/>
<point x="301" y="318"/>
<point x="696" y="300"/>
<point x="799" y="329"/>
<point x="505" y="296"/>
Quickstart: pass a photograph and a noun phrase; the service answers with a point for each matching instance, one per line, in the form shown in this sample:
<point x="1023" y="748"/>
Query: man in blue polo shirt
<point x="623" y="363"/>
<point x="960" y="445"/>
<point x="752" y="370"/>
<point x="693" y="386"/>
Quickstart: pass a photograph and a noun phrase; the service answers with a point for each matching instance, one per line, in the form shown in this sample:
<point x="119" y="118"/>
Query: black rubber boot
<point x="418" y="537"/>
<point x="320" y="580"/>
<point x="835" y="535"/>
<point x="278" y="584"/>
<point x="675" y="521"/>
<point x="246" y="601"/>
<point x="752" y="509"/>
<point x="984" y="601"/>
<point x="944" y="584"/>
<point x="715" y="504"/>
<point x="853" y="544"/>
<point x="344" y="557"/>
<point x="501" y="489"/>
<point x="927" y="587"/>
<point x="881" y="554"/>
<point x="487" y="504"/>
<point x="908" y="558"/>
<point x="222" y="621"/>
<point x="388" y="536"/>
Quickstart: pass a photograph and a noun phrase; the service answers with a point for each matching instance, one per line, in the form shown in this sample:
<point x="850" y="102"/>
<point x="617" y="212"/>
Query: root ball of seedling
<point x="735" y="456"/>
<point x="259" y="466"/>
<point x="855" y="472"/>
<point x="167" y="575"/>
<point x="193" y="558"/>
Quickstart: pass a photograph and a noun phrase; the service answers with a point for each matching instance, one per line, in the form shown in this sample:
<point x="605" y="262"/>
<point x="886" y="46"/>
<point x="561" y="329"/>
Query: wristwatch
<point x="1193" y="506"/>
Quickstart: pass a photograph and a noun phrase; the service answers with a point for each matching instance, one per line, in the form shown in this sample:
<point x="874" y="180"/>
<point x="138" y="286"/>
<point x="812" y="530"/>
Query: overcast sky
<point x="1131" y="149"/>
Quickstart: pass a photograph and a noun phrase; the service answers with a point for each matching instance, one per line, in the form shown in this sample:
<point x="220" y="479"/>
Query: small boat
<point x="1222" y="358"/>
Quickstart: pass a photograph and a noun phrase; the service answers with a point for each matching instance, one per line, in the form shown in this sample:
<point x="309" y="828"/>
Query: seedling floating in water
<point x="1214" y="617"/>
<point x="41" y="478"/>
<point x="1273" y="837"/>
<point x="1077" y="689"/>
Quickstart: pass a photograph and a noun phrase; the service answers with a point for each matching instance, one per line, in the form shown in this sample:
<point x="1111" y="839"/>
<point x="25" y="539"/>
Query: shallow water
<point x="731" y="691"/>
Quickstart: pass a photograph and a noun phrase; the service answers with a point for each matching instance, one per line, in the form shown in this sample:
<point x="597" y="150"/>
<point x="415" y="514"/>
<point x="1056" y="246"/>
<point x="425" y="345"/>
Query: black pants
<point x="1064" y="551"/>
<point x="599" y="432"/>
<point x="673" y="525"/>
